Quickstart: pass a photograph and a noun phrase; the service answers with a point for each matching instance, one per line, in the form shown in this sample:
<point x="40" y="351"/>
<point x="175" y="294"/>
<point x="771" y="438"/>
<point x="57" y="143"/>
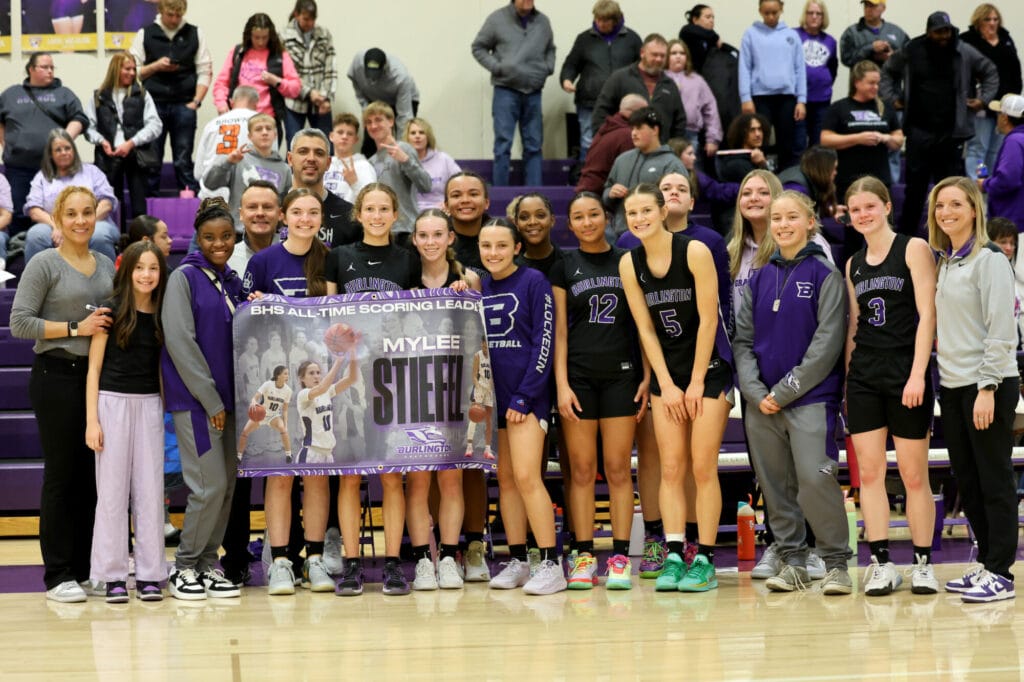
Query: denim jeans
<point x="510" y="108"/>
<point x="20" y="179"/>
<point x="40" y="238"/>
<point x="586" y="119"/>
<point x="180" y="122"/>
<point x="294" y="122"/>
<point x="984" y="146"/>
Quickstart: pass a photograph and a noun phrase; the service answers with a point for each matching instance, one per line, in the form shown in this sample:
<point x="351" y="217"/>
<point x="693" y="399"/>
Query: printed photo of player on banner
<point x="362" y="384"/>
<point x="58" y="25"/>
<point x="123" y="19"/>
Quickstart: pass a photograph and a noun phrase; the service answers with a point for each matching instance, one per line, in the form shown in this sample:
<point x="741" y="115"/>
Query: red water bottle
<point x="745" y="522"/>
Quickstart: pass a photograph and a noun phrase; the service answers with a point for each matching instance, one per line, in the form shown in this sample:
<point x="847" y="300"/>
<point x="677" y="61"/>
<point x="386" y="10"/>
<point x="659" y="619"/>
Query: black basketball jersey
<point x="672" y="301"/>
<point x="545" y="264"/>
<point x="360" y="267"/>
<point x="885" y="299"/>
<point x="602" y="334"/>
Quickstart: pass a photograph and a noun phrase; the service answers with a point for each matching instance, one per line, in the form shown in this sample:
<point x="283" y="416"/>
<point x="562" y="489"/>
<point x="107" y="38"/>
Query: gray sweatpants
<point x="209" y="466"/>
<point x="790" y="451"/>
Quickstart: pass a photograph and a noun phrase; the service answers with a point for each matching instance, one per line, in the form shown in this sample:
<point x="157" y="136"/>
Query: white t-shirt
<point x="220" y="137"/>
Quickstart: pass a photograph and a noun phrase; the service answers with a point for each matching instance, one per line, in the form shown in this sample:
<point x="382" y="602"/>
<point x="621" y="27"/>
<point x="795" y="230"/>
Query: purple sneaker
<point x="351" y="583"/>
<point x="988" y="587"/>
<point x="395" y="582"/>
<point x="655" y="552"/>
<point x="966" y="582"/>
<point x="117" y="592"/>
<point x="148" y="591"/>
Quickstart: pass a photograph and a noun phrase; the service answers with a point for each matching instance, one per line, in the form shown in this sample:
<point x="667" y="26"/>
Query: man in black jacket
<point x="646" y="78"/>
<point x="931" y="81"/>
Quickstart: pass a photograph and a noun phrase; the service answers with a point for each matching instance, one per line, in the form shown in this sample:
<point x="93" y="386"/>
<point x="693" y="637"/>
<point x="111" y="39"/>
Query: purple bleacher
<point x="6" y="301"/>
<point x="14" y="352"/>
<point x="179" y="214"/>
<point x="20" y="484"/>
<point x="553" y="171"/>
<point x="14" y="388"/>
<point x="559" y="196"/>
<point x="20" y="435"/>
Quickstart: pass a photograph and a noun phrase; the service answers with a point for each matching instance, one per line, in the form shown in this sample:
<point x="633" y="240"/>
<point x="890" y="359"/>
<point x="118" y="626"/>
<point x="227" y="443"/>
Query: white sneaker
<point x="881" y="579"/>
<point x="426" y="576"/>
<point x="477" y="570"/>
<point x="515" y="574"/>
<point x="68" y="592"/>
<point x="768" y="565"/>
<point x="448" y="577"/>
<point x="922" y="577"/>
<point x="815" y="566"/>
<point x="217" y="586"/>
<point x="281" y="578"/>
<point x="94" y="588"/>
<point x="332" y="552"/>
<point x="184" y="584"/>
<point x="547" y="579"/>
<point x="315" y="576"/>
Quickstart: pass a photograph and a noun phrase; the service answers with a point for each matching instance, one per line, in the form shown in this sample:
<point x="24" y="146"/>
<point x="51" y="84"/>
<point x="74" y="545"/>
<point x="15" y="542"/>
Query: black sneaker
<point x="394" y="579"/>
<point x="148" y="590"/>
<point x="217" y="586"/>
<point x="238" y="578"/>
<point x="184" y="584"/>
<point x="117" y="592"/>
<point x="351" y="583"/>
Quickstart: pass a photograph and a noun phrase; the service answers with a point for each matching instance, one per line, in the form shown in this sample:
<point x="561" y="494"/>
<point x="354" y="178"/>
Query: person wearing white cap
<point x="1005" y="187"/>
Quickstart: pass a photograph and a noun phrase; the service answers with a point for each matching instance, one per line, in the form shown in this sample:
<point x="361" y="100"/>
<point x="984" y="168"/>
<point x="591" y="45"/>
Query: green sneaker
<point x="671" y="574"/>
<point x="700" y="577"/>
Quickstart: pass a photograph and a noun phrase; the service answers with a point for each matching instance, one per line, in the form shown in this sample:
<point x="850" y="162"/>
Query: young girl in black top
<point x="125" y="427"/>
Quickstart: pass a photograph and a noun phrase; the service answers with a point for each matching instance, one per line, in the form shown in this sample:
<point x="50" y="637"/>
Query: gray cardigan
<point x="520" y="58"/>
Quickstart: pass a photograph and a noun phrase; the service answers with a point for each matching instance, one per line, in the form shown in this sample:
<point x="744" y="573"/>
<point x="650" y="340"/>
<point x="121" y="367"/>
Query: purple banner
<point x="362" y="384"/>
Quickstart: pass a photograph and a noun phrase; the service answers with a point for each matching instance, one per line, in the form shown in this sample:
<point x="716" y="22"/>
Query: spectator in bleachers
<point x="744" y="139"/>
<point x="1005" y="187"/>
<point x="177" y="70"/>
<point x="702" y="120"/>
<point x="261" y="61"/>
<point x="614" y="138"/>
<point x="872" y="37"/>
<point x="773" y="79"/>
<point x="224" y="134"/>
<point x="815" y="178"/>
<point x="974" y="311"/>
<point x="862" y="129"/>
<point x="25" y="125"/>
<point x="350" y="171"/>
<point x="397" y="166"/>
<point x="716" y="61"/>
<point x="605" y="46"/>
<point x="145" y="228"/>
<point x="517" y="47"/>
<point x="438" y="165"/>
<point x="376" y="77"/>
<point x="721" y="195"/>
<point x="932" y="81"/>
<point x="987" y="35"/>
<point x="258" y="159"/>
<point x="63" y="282"/>
<point x="6" y="214"/>
<point x="645" y="78"/>
<point x="311" y="47"/>
<point x="647" y="162"/>
<point x="309" y="158"/>
<point x="123" y="120"/>
<point x="821" y="61"/>
<point x="61" y="167"/>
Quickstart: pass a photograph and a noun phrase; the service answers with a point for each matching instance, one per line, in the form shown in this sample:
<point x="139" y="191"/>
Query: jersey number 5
<point x="669" y="322"/>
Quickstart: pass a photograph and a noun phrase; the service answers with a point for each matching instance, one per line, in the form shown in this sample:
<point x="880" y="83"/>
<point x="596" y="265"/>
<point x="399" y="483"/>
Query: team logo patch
<point x="804" y="289"/>
<point x="426" y="440"/>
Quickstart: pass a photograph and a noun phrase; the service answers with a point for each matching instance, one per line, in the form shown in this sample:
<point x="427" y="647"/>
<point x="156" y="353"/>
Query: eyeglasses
<point x="46" y="67"/>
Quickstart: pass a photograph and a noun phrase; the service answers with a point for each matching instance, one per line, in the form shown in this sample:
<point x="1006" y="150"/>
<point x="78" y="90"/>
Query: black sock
<point x="531" y="541"/>
<point x="675" y="546"/>
<point x="880" y="550"/>
<point x="392" y="560"/>
<point x="654" y="528"/>
<point x="472" y="537"/>
<point x="446" y="551"/>
<point x="620" y="547"/>
<point x="279" y="552"/>
<point x="354" y="561"/>
<point x="707" y="550"/>
<point x="692" y="534"/>
<point x="518" y="552"/>
<point x="926" y="552"/>
<point x="314" y="548"/>
<point x="581" y="546"/>
<point x="420" y="552"/>
<point x="548" y="554"/>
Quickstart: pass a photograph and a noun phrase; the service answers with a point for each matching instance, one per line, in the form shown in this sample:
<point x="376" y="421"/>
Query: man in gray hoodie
<point x="648" y="161"/>
<point x="518" y="48"/>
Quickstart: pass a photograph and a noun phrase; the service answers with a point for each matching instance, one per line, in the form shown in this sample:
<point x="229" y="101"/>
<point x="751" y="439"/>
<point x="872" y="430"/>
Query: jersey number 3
<point x="877" y="306"/>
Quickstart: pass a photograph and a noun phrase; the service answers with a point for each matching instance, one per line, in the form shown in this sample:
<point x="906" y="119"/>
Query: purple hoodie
<point x="1006" y="186"/>
<point x="822" y="61"/>
<point x="197" y="362"/>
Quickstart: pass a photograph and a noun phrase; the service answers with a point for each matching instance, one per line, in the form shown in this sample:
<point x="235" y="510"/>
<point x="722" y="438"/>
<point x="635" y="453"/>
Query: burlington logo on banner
<point x="362" y="384"/>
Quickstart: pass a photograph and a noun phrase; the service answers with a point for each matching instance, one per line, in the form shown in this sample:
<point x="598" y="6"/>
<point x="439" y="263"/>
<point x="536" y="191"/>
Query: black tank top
<point x="672" y="301"/>
<point x="885" y="299"/>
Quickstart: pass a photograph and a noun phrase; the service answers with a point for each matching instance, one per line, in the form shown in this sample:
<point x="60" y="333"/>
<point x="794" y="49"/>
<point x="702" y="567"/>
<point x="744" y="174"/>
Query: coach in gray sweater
<point x="517" y="47"/>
